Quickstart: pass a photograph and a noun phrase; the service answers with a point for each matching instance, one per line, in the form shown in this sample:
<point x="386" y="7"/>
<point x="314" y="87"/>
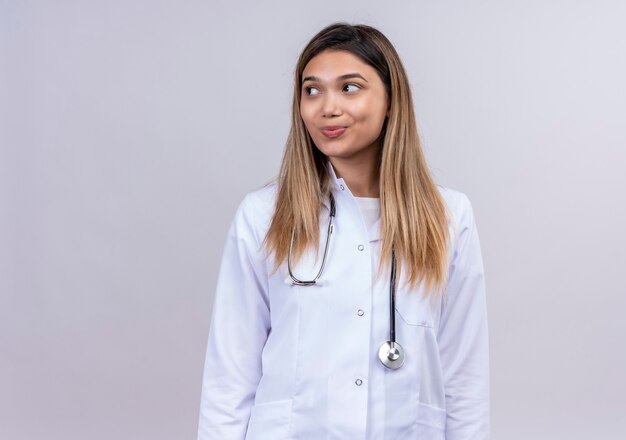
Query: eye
<point x="354" y="87"/>
<point x="310" y="90"/>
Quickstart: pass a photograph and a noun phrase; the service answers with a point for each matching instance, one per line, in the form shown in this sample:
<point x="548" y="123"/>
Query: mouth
<point x="333" y="132"/>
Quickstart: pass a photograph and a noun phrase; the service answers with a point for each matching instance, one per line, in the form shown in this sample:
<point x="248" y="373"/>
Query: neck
<point x="362" y="176"/>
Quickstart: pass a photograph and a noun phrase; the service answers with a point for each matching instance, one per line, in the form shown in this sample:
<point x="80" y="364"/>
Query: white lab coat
<point x="294" y="362"/>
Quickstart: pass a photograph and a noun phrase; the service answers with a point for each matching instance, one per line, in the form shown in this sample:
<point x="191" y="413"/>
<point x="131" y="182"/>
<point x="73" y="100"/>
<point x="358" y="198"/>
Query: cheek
<point x="370" y="116"/>
<point x="369" y="111"/>
<point x="307" y="116"/>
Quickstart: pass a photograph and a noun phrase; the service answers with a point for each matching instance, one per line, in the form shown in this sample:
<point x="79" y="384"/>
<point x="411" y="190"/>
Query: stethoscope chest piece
<point x="391" y="354"/>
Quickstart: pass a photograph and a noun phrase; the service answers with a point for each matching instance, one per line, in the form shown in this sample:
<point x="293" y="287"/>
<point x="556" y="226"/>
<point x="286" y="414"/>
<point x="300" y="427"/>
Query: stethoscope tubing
<point x="312" y="282"/>
<point x="391" y="354"/>
<point x="392" y="300"/>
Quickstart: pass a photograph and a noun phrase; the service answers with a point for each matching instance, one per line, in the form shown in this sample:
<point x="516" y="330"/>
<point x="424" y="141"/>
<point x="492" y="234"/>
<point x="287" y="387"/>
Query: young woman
<point x="350" y="302"/>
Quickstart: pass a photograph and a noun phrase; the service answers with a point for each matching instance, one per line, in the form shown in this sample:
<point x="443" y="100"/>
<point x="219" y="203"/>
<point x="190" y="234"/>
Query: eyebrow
<point x="340" y="78"/>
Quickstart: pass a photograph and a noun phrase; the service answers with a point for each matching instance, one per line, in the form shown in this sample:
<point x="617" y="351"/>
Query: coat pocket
<point x="431" y="422"/>
<point x="270" y="420"/>
<point x="414" y="310"/>
<point x="414" y="305"/>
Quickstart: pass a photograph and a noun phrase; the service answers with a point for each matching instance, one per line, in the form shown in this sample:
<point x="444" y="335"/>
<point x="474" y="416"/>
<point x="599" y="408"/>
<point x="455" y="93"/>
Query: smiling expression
<point x="343" y="104"/>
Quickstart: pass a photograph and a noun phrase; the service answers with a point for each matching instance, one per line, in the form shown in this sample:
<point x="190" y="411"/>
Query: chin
<point x="335" y="152"/>
<point x="340" y="150"/>
<point x="332" y="147"/>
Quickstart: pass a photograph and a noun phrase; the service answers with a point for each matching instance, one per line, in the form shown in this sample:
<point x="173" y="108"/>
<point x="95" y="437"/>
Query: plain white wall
<point x="130" y="131"/>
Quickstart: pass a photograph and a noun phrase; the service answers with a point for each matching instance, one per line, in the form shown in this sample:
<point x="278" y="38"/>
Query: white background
<point x="131" y="130"/>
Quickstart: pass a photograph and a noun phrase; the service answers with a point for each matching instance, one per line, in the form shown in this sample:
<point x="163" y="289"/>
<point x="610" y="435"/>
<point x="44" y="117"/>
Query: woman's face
<point x="343" y="105"/>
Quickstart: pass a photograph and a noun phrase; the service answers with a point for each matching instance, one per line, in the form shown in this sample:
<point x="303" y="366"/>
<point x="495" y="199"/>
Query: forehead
<point x="332" y="63"/>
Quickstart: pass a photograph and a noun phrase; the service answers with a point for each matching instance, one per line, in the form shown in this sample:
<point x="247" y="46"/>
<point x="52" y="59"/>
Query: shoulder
<point x="255" y="211"/>
<point x="460" y="211"/>
<point x="260" y="203"/>
<point x="456" y="201"/>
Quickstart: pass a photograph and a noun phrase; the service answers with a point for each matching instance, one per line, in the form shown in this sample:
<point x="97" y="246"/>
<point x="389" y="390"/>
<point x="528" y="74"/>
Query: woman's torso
<point x="322" y="378"/>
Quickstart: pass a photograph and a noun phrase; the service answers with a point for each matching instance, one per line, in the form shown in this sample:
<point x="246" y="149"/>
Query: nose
<point x="331" y="105"/>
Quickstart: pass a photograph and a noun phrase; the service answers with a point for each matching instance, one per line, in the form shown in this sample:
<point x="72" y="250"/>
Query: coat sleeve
<point x="239" y="328"/>
<point x="463" y="339"/>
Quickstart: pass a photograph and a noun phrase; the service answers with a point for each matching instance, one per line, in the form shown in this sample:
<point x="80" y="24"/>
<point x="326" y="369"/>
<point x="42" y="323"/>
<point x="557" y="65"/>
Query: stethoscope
<point x="390" y="353"/>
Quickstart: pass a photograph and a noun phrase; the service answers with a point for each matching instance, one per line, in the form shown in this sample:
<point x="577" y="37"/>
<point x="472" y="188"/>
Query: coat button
<point x="360" y="247"/>
<point x="358" y="382"/>
<point x="360" y="312"/>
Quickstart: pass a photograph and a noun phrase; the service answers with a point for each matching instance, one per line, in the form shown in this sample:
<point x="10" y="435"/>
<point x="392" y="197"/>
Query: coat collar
<point x="337" y="184"/>
<point x="338" y="188"/>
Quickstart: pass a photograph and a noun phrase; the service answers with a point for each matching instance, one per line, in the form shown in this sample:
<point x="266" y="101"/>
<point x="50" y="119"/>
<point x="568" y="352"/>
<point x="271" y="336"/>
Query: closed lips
<point x="333" y="132"/>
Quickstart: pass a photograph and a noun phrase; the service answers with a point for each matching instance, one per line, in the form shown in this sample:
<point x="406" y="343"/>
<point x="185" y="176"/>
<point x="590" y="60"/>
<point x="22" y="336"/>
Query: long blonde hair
<point x="413" y="214"/>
